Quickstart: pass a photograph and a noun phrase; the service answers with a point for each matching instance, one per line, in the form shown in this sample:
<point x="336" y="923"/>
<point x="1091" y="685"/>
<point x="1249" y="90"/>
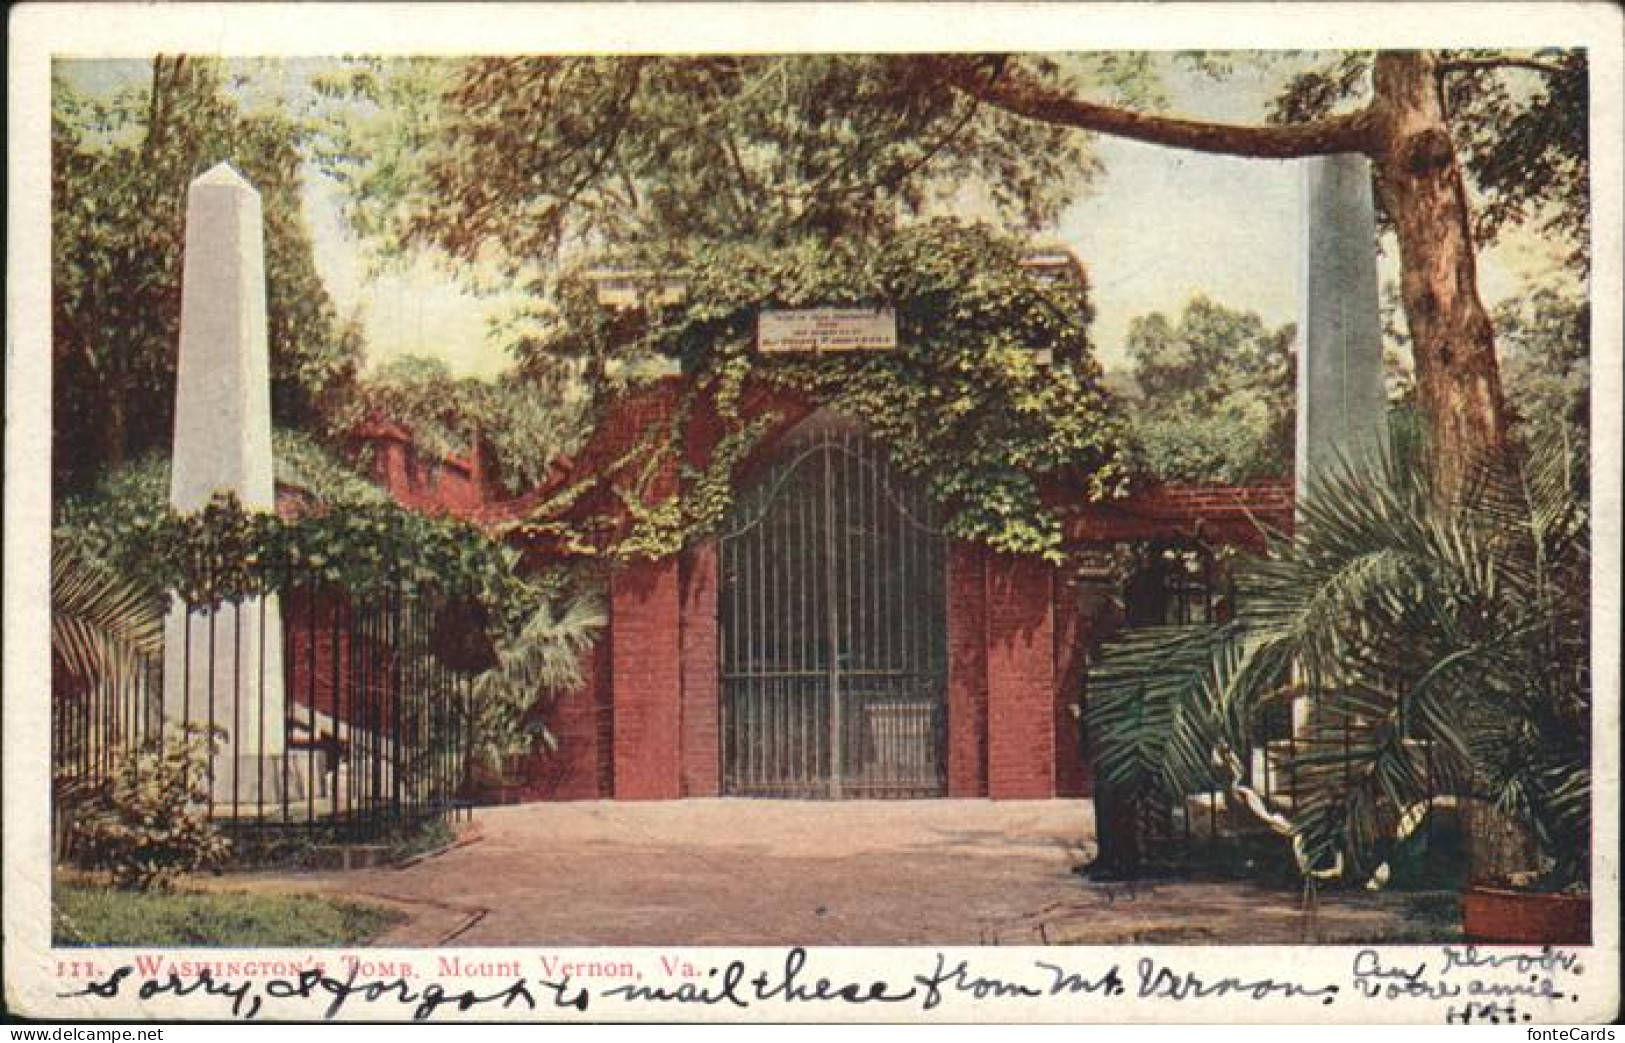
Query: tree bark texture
<point x="1458" y="383"/>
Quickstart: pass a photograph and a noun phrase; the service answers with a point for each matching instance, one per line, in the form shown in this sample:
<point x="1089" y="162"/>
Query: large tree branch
<point x="1477" y="64"/>
<point x="989" y="80"/>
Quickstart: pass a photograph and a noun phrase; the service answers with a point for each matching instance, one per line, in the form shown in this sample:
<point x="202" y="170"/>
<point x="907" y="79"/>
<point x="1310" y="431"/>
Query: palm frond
<point x="102" y="626"/>
<point x="1443" y="645"/>
<point x="542" y="661"/>
<point x="1159" y="707"/>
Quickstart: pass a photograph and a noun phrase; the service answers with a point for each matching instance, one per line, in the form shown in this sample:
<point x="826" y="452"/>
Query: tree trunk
<point x="1458" y="385"/>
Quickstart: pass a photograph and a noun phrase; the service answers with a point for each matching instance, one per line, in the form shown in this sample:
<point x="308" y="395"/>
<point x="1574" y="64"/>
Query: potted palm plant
<point x="1436" y="653"/>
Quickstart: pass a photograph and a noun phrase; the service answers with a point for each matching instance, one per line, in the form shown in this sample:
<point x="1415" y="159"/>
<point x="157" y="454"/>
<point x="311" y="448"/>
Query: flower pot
<point x="1490" y="914"/>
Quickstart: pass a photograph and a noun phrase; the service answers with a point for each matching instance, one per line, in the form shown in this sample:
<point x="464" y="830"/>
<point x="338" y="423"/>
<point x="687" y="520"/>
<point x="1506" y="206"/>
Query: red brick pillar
<point x="580" y="720"/>
<point x="967" y="670"/>
<point x="701" y="721"/>
<point x="646" y="678"/>
<point x="1020" y="678"/>
<point x="1072" y="776"/>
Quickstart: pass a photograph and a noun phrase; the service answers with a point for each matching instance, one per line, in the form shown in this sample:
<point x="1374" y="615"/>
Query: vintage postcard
<point x="896" y="512"/>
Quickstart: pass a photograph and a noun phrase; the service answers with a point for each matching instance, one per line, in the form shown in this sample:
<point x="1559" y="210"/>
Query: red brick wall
<point x="1236" y="514"/>
<point x="1020" y="678"/>
<point x="424" y="481"/>
<point x="581" y="722"/>
<point x="646" y="724"/>
<point x="317" y="659"/>
<point x="646" y="675"/>
<point x="1072" y="775"/>
<point x="967" y="670"/>
<point x="701" y="709"/>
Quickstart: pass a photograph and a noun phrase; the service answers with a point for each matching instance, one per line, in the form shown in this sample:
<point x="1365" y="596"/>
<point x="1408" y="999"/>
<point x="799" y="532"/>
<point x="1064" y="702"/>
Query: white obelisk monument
<point x="226" y="670"/>
<point x="1342" y="403"/>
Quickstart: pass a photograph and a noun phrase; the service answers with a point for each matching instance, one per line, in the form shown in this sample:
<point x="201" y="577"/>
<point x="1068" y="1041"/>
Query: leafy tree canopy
<point x="1546" y="335"/>
<point x="364" y="544"/>
<point x="522" y="425"/>
<point x="1216" y="394"/>
<point x="536" y="154"/>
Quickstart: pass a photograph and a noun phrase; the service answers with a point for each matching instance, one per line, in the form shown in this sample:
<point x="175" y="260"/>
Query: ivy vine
<point x="991" y="398"/>
<point x="224" y="553"/>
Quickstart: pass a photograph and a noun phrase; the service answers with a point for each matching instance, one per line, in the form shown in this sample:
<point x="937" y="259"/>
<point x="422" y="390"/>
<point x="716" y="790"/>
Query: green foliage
<point x="98" y="518"/>
<point x="102" y="626"/>
<point x="1444" y="644"/>
<point x="359" y="542"/>
<point x="121" y="163"/>
<point x="149" y="824"/>
<point x="103" y="631"/>
<point x="1526" y="133"/>
<point x="1216" y="399"/>
<point x="425" y="838"/>
<point x="224" y="553"/>
<point x="305" y="464"/>
<point x="990" y="397"/>
<point x="1520" y="119"/>
<point x="1545" y="340"/>
<point x="538" y="152"/>
<point x="525" y="423"/>
<point x="1225" y="448"/>
<point x="235" y="919"/>
<point x="357" y="539"/>
<point x="1157" y="730"/>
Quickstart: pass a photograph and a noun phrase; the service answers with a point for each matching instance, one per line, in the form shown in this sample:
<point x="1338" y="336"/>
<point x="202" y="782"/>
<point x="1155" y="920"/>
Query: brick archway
<point x="647" y="724"/>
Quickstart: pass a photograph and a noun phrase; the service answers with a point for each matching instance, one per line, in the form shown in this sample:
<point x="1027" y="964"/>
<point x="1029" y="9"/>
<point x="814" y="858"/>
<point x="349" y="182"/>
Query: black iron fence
<point x="329" y="715"/>
<point x="1258" y="791"/>
<point x="1296" y="752"/>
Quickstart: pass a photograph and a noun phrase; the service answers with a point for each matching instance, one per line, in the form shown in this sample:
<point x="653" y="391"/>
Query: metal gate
<point x="833" y="635"/>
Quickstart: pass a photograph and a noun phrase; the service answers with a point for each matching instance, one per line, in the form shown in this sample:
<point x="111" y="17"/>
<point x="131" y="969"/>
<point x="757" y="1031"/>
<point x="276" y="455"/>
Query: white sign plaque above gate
<point x="827" y="329"/>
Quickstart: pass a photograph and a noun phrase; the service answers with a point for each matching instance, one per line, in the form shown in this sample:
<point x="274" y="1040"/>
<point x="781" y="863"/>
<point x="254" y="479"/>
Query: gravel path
<point x="745" y="872"/>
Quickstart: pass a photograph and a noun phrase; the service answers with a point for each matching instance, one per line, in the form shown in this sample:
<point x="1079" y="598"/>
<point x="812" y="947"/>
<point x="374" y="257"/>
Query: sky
<point x="1155" y="228"/>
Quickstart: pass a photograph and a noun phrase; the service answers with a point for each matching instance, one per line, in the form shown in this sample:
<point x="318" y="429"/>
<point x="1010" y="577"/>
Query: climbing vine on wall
<point x="990" y="396"/>
<point x="223" y="553"/>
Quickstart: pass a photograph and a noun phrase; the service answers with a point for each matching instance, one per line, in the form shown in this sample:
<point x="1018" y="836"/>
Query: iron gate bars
<point x="832" y="627"/>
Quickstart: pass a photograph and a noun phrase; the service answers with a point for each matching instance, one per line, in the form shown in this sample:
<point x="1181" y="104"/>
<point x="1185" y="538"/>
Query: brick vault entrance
<point x="832" y="633"/>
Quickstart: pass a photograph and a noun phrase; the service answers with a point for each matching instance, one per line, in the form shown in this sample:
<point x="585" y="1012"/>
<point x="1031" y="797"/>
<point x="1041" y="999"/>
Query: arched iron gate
<point x="832" y="629"/>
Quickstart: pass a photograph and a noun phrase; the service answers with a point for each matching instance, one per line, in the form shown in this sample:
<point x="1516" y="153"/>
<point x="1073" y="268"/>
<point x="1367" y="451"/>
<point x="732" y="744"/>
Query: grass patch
<point x="83" y="915"/>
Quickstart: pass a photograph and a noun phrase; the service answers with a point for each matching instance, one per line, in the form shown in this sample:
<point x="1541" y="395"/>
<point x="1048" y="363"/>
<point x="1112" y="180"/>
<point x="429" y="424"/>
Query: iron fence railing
<point x="1283" y="770"/>
<point x="369" y="732"/>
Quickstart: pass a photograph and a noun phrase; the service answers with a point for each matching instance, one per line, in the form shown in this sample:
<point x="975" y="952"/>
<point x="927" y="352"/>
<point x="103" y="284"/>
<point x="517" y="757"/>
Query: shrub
<point x="148" y="825"/>
<point x="92" y="916"/>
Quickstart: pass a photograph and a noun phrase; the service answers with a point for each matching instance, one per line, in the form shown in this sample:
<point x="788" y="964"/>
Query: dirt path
<point x="735" y="872"/>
